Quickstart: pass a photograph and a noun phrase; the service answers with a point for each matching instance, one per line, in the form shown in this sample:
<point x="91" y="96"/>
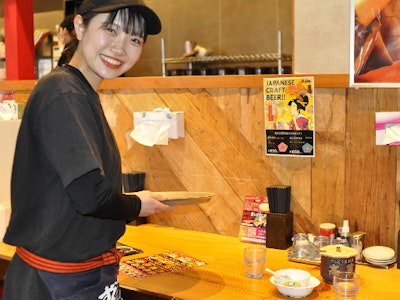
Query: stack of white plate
<point x="379" y="255"/>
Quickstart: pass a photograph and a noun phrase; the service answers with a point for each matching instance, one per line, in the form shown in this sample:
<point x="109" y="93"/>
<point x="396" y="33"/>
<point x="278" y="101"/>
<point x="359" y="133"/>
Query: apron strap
<point x="110" y="257"/>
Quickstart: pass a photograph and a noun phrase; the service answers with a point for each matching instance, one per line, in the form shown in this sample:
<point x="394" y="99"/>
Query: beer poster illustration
<point x="289" y="116"/>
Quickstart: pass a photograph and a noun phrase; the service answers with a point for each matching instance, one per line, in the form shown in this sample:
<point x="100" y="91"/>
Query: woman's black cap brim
<point x="153" y="23"/>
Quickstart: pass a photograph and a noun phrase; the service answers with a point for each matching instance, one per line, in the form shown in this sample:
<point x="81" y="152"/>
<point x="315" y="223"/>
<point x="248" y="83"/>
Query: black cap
<point x="153" y="23"/>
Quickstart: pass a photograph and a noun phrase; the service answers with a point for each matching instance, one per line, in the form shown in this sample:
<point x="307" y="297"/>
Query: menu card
<point x="158" y="264"/>
<point x="254" y="219"/>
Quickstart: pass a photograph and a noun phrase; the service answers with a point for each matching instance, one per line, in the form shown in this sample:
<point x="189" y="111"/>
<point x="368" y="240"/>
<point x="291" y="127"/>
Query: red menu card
<point x="254" y="219"/>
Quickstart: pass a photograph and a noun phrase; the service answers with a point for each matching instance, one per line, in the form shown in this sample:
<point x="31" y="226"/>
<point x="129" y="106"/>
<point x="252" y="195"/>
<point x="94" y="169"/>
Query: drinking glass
<point x="321" y="241"/>
<point x="302" y="248"/>
<point x="346" y="285"/>
<point x="254" y="260"/>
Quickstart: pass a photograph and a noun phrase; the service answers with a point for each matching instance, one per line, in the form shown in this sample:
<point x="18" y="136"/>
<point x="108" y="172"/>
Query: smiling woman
<point x="76" y="165"/>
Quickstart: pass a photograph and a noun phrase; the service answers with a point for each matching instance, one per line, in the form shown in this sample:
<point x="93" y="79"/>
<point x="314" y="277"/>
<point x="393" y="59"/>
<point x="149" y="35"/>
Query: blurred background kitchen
<point x="223" y="27"/>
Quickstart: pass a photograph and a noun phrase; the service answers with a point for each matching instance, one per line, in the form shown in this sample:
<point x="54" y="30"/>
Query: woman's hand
<point x="152" y="203"/>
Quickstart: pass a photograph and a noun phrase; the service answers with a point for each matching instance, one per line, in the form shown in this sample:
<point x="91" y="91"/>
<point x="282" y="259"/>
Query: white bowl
<point x="292" y="277"/>
<point x="296" y="292"/>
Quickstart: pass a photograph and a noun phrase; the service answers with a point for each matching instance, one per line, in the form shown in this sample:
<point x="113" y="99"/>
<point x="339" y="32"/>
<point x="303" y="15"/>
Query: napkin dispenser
<point x="157" y="126"/>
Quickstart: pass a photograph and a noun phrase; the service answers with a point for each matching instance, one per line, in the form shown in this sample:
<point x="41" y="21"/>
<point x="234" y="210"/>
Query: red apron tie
<point x="110" y="257"/>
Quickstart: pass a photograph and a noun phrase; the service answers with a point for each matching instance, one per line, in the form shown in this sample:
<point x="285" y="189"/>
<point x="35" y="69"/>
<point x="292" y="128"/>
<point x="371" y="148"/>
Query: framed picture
<point x="375" y="43"/>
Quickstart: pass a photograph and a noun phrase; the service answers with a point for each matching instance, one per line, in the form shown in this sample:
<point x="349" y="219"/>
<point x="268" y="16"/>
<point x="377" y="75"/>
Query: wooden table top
<point x="223" y="276"/>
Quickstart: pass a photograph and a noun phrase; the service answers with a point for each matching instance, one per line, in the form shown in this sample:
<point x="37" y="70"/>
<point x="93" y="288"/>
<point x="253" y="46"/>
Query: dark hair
<point x="133" y="22"/>
<point x="70" y="47"/>
<point x="68" y="51"/>
<point x="300" y="103"/>
<point x="68" y="23"/>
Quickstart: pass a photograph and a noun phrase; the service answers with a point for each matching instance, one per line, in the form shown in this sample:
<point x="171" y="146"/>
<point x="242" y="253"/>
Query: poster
<point x="289" y="116"/>
<point x="375" y="43"/>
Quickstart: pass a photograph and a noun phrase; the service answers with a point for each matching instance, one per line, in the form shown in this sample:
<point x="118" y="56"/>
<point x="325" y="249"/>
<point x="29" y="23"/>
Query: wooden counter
<point x="174" y="82"/>
<point x="223" y="277"/>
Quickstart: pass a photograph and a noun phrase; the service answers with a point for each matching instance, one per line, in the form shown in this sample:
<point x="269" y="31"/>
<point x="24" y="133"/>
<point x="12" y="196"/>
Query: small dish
<point x="296" y="292"/>
<point x="292" y="277"/>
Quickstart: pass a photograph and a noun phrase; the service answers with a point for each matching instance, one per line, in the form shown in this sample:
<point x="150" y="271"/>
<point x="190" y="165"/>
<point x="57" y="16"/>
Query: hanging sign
<point x="289" y="116"/>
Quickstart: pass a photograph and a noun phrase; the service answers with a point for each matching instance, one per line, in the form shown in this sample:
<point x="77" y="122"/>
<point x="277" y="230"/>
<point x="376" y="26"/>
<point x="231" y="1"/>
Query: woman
<point x="299" y="121"/>
<point x="67" y="39"/>
<point x="67" y="207"/>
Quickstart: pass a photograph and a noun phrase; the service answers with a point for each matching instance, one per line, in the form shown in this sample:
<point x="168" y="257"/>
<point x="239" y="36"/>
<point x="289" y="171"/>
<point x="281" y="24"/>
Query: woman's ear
<point x="79" y="26"/>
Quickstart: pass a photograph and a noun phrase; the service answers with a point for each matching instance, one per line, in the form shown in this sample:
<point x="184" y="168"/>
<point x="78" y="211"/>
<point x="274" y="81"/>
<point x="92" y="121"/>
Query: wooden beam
<point x="177" y="82"/>
<point x="18" y="26"/>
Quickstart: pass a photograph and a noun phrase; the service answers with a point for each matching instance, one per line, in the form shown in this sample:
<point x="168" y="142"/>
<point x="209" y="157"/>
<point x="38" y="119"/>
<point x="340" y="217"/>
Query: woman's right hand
<point x="152" y="203"/>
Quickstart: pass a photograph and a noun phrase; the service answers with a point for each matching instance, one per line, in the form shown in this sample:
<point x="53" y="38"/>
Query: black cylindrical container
<point x="337" y="258"/>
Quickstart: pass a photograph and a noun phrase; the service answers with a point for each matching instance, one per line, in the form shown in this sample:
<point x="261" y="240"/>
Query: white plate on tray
<point x="381" y="253"/>
<point x="381" y="262"/>
<point x="184" y="198"/>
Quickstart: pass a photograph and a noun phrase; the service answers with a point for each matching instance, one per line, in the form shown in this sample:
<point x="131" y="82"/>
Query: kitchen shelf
<point x="227" y="59"/>
<point x="265" y="57"/>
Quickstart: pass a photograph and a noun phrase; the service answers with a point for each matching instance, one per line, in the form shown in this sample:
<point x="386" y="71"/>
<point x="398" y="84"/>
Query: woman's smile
<point x="111" y="62"/>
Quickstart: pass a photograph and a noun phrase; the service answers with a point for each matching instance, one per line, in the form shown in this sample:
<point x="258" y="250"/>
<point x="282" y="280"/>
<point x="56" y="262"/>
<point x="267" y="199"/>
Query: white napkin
<point x="150" y="133"/>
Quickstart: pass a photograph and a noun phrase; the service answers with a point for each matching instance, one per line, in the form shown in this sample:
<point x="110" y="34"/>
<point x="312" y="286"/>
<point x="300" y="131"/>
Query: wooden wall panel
<point x="328" y="189"/>
<point x="224" y="152"/>
<point x="370" y="170"/>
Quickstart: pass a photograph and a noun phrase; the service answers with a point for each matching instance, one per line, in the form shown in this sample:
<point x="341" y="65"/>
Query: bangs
<point x="133" y="23"/>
